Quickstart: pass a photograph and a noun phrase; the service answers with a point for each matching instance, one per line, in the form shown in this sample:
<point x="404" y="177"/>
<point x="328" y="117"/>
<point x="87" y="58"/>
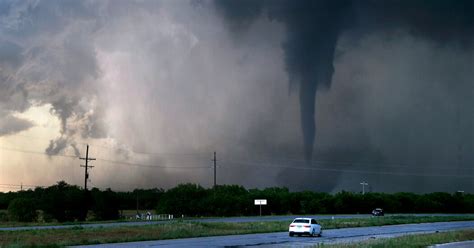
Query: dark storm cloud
<point x="10" y="124"/>
<point x="63" y="108"/>
<point x="199" y="76"/>
<point x="10" y="54"/>
<point x="46" y="56"/>
<point x="439" y="20"/>
<point x="29" y="18"/>
<point x="13" y="96"/>
<point x="313" y="29"/>
<point x="57" y="145"/>
<point x="137" y="74"/>
<point x="241" y="14"/>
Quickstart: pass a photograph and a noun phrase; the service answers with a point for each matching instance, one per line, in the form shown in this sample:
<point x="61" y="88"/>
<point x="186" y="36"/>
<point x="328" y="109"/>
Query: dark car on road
<point x="377" y="212"/>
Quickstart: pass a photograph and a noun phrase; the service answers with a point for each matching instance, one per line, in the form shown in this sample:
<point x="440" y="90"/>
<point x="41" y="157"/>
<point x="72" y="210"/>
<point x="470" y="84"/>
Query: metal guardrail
<point x="148" y="216"/>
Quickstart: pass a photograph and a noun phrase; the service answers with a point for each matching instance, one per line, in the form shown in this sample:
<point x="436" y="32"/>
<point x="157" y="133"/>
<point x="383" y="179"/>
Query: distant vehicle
<point x="305" y="226"/>
<point x="377" y="212"/>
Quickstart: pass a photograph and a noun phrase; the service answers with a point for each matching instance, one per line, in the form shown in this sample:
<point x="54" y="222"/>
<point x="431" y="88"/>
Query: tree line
<point x="63" y="202"/>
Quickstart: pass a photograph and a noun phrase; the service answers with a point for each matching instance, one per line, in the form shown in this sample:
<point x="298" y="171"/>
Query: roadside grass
<point x="41" y="222"/>
<point x="178" y="229"/>
<point x="340" y="223"/>
<point x="55" y="223"/>
<point x="184" y="229"/>
<point x="410" y="241"/>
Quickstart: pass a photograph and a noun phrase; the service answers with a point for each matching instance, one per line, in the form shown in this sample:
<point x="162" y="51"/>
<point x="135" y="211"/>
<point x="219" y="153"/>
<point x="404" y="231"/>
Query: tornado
<point x="314" y="26"/>
<point x="308" y="122"/>
<point x="312" y="30"/>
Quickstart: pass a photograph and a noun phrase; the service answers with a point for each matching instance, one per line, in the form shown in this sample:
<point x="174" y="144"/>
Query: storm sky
<point x="315" y="95"/>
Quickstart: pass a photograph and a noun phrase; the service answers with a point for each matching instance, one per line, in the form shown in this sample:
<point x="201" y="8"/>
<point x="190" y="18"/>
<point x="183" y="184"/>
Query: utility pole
<point x="138" y="213"/>
<point x="363" y="187"/>
<point x="459" y="138"/>
<point x="86" y="166"/>
<point x="215" y="168"/>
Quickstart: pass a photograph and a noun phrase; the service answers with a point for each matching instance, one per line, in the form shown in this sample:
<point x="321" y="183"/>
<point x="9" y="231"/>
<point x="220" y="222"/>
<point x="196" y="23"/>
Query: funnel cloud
<point x="313" y="29"/>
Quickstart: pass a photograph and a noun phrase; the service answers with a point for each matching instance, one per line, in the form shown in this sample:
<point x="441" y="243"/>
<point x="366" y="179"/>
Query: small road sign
<point x="260" y="202"/>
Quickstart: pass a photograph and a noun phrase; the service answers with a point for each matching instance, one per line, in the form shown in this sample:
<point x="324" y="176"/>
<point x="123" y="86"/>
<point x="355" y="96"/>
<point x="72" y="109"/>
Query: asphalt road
<point x="281" y="239"/>
<point x="463" y="244"/>
<point x="229" y="219"/>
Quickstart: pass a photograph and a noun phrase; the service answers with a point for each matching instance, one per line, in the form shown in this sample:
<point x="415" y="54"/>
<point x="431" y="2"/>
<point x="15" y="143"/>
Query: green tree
<point x="23" y="210"/>
<point x="316" y="203"/>
<point x="406" y="202"/>
<point x="184" y="199"/>
<point x="348" y="202"/>
<point x="64" y="202"/>
<point x="227" y="200"/>
<point x="105" y="204"/>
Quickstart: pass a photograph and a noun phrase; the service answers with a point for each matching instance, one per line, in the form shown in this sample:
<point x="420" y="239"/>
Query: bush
<point x="23" y="210"/>
<point x="3" y="216"/>
<point x="105" y="205"/>
<point x="184" y="199"/>
<point x="64" y="202"/>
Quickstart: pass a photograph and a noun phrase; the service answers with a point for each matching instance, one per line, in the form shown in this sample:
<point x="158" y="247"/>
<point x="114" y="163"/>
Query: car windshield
<point x="301" y="221"/>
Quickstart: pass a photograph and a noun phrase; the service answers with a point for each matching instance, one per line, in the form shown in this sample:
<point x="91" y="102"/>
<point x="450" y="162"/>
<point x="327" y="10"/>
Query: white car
<point x="307" y="226"/>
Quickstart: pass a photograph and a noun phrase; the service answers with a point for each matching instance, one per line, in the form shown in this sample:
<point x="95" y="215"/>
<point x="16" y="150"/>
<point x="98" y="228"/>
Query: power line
<point x="352" y="164"/>
<point x="152" y="166"/>
<point x="314" y="162"/>
<point x="347" y="171"/>
<point x="261" y="158"/>
<point x="106" y="160"/>
<point x="19" y="185"/>
<point x="37" y="152"/>
<point x="163" y="154"/>
<point x="147" y="153"/>
<point x="118" y="148"/>
<point x="42" y="138"/>
<point x="10" y="187"/>
<point x="245" y="163"/>
<point x="265" y="158"/>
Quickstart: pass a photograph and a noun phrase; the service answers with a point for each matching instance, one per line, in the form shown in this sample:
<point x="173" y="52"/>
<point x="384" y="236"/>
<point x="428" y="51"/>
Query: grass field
<point x="184" y="229"/>
<point x="411" y="241"/>
<point x="129" y="215"/>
